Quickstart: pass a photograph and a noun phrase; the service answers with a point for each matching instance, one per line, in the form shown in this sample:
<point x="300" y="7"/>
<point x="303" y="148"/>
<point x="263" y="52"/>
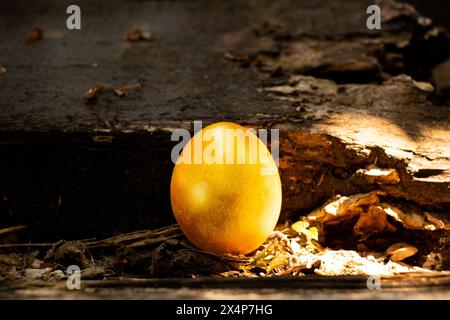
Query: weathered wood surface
<point x="419" y="286"/>
<point x="56" y="171"/>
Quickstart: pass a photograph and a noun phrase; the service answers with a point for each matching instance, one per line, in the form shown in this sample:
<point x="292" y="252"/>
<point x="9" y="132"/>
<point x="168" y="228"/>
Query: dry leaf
<point x="344" y="208"/>
<point x="381" y="176"/>
<point x="424" y="86"/>
<point x="2" y="69"/>
<point x="35" y="35"/>
<point x="137" y="35"/>
<point x="414" y="220"/>
<point x="90" y="95"/>
<point x="400" y="251"/>
<point x="440" y="221"/>
<point x="278" y="261"/>
<point x="123" y="90"/>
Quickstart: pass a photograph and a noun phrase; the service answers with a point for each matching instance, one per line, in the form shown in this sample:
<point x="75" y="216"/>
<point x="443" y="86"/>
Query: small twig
<point x="152" y="241"/>
<point x="137" y="237"/>
<point x="122" y="90"/>
<point x="25" y="245"/>
<point x="12" y="229"/>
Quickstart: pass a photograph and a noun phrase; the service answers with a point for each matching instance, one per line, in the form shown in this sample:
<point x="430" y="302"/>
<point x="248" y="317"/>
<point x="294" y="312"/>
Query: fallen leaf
<point x="35" y="35"/>
<point x="276" y="262"/>
<point x="302" y="227"/>
<point x="123" y="90"/>
<point x="441" y="221"/>
<point x="380" y="176"/>
<point x="344" y="208"/>
<point x="400" y="251"/>
<point x="424" y="86"/>
<point x="414" y="220"/>
<point x="119" y="92"/>
<point x="2" y="69"/>
<point x="90" y="95"/>
<point x="137" y="35"/>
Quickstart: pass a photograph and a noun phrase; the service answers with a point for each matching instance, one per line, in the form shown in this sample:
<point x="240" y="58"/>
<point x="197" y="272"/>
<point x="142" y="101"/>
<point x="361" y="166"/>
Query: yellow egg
<point x="225" y="195"/>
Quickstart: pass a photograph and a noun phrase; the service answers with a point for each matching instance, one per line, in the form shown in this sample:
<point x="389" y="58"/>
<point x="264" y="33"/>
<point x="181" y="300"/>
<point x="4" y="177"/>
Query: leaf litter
<point x="293" y="249"/>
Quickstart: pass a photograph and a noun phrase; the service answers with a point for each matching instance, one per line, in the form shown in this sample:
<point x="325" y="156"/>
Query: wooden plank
<point x="93" y="170"/>
<point x="431" y="286"/>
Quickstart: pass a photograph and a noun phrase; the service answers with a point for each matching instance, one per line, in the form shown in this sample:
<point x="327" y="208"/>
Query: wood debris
<point x="303" y="85"/>
<point x="289" y="250"/>
<point x="68" y="253"/>
<point x="9" y="230"/>
<point x="344" y="208"/>
<point x="91" y="95"/>
<point x="292" y="249"/>
<point x="372" y="214"/>
<point x="433" y="261"/>
<point x="35" y="35"/>
<point x="121" y="91"/>
<point x="102" y="139"/>
<point x="416" y="220"/>
<point x="379" y="175"/>
<point x="347" y="262"/>
<point x="137" y="35"/>
<point x="241" y="57"/>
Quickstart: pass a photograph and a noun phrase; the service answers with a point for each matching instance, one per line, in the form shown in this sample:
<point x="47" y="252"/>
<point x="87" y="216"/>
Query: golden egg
<point x="226" y="190"/>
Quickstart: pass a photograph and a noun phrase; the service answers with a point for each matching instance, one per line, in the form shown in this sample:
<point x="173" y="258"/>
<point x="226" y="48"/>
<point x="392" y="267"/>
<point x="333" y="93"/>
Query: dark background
<point x="438" y="10"/>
